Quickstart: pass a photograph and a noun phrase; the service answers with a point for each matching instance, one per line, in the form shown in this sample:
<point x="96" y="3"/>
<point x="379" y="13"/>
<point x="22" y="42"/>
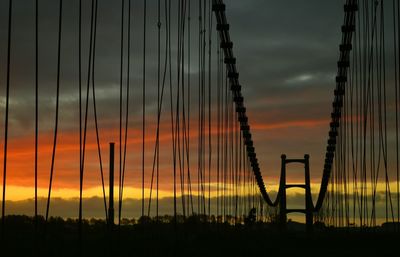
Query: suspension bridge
<point x="180" y="128"/>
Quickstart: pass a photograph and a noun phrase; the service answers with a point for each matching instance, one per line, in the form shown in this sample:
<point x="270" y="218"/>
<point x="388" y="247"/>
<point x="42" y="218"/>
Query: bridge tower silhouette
<point x="283" y="210"/>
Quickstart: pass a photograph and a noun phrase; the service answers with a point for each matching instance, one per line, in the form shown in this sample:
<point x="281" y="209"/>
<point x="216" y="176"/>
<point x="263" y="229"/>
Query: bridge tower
<point x="308" y="211"/>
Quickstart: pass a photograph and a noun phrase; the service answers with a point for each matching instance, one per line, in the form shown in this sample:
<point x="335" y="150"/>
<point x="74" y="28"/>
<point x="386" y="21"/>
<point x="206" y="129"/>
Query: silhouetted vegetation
<point x="190" y="237"/>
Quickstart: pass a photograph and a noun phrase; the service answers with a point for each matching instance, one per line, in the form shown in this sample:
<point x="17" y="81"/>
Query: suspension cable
<point x="144" y="99"/>
<point x="36" y="107"/>
<point x="57" y="110"/>
<point x="127" y="102"/>
<point x="156" y="158"/>
<point x="82" y="167"/>
<point x="3" y="203"/>
<point x="95" y="112"/>
<point x="120" y="110"/>
<point x="396" y="96"/>
<point x="209" y="105"/>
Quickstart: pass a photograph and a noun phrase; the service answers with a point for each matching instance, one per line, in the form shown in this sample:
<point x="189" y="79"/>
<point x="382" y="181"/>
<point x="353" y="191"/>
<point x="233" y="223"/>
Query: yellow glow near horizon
<point x="18" y="193"/>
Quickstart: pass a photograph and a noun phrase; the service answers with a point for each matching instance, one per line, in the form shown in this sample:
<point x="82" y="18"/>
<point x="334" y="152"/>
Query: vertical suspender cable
<point x="144" y="98"/>
<point x="382" y="100"/>
<point x="396" y="34"/>
<point x="209" y="106"/>
<point x="178" y="95"/>
<point x="397" y="110"/>
<point x="232" y="157"/>
<point x="36" y="105"/>
<point x="229" y="153"/>
<point x="385" y="147"/>
<point x="3" y="203"/>
<point x="179" y="82"/>
<point x="160" y="94"/>
<point x="351" y="126"/>
<point x="80" y="109"/>
<point x="120" y="110"/>
<point x="158" y="102"/>
<point x="57" y="110"/>
<point x="200" y="139"/>
<point x="127" y="102"/>
<point x="80" y="123"/>
<point x="396" y="95"/>
<point x="225" y="133"/>
<point x="155" y="166"/>
<point x="95" y="110"/>
<point x="86" y="113"/>
<point x="198" y="120"/>
<point x="169" y="50"/>
<point x="199" y="160"/>
<point x="218" y="123"/>
<point x="190" y="204"/>
<point x="203" y="102"/>
<point x="239" y="168"/>
<point x="235" y="180"/>
<point x="168" y="21"/>
<point x="184" y="148"/>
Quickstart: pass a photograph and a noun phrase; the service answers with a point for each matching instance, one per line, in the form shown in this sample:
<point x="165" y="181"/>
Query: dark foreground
<point x="190" y="239"/>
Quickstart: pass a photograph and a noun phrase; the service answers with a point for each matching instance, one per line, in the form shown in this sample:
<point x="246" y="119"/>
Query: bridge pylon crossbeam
<point x="309" y="208"/>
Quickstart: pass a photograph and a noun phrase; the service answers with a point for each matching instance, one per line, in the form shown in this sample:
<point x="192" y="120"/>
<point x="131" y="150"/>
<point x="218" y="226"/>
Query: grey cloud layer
<point x="275" y="43"/>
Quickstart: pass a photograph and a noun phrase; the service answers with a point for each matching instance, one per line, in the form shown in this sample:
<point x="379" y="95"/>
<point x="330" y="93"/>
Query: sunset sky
<point x="286" y="55"/>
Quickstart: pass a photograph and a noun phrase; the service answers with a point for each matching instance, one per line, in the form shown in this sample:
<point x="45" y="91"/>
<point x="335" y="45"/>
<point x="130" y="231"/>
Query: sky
<point x="286" y="55"/>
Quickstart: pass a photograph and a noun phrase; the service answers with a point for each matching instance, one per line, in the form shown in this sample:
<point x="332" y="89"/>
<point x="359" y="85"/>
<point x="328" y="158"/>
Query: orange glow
<point x="66" y="171"/>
